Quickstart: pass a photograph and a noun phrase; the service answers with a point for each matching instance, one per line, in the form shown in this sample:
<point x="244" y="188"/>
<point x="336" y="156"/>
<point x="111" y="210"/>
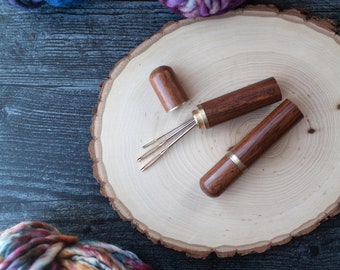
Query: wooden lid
<point x="168" y="88"/>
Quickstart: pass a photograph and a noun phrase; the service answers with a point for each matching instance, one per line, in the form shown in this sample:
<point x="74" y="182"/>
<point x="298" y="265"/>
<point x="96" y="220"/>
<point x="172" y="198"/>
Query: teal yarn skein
<point x="38" y="246"/>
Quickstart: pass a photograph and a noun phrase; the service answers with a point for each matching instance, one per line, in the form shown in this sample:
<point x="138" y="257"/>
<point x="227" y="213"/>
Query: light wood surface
<point x="286" y="193"/>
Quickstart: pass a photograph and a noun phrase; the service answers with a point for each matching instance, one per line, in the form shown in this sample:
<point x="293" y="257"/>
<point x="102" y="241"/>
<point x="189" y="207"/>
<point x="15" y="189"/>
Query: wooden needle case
<point x="251" y="147"/>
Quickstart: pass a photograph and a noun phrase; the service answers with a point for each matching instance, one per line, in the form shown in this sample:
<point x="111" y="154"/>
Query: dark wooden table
<point x="52" y="62"/>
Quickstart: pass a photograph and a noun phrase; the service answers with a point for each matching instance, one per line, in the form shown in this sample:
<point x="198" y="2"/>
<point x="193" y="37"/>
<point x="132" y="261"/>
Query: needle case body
<point x="250" y="148"/>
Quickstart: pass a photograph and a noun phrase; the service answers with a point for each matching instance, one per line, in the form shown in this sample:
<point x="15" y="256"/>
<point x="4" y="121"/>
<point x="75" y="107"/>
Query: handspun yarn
<point x="203" y="8"/>
<point x="37" y="246"/>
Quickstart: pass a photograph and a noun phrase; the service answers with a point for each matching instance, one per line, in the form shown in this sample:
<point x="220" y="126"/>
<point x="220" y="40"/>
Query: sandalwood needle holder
<point x="167" y="88"/>
<point x="216" y="111"/>
<point x="250" y="148"/>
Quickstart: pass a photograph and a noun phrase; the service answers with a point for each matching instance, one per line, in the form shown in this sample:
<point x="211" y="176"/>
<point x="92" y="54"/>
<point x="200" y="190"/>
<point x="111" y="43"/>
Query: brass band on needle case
<point x="200" y="117"/>
<point x="236" y="160"/>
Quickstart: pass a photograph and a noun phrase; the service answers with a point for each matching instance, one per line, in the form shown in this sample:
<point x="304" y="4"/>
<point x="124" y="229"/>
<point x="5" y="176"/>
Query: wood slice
<point x="286" y="193"/>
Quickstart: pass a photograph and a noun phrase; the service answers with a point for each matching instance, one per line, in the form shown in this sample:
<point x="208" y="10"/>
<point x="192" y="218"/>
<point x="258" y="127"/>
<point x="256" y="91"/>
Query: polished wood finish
<point x="265" y="134"/>
<point x="167" y="87"/>
<point x="219" y="177"/>
<point x="241" y="101"/>
<point x="251" y="147"/>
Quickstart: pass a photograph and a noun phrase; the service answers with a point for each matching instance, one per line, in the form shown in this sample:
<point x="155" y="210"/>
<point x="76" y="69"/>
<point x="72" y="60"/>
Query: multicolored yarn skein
<point x="38" y="246"/>
<point x="188" y="8"/>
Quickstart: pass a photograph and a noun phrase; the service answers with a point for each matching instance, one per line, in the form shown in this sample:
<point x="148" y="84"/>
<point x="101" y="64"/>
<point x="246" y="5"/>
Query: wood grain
<point x="167" y="88"/>
<point x="250" y="148"/>
<point x="239" y="208"/>
<point x="240" y="102"/>
<point x="51" y="64"/>
<point x="220" y="176"/>
<point x="267" y="132"/>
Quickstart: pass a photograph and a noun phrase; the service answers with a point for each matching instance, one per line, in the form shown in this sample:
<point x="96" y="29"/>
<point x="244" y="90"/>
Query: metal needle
<point x="189" y="126"/>
<point x="169" y="134"/>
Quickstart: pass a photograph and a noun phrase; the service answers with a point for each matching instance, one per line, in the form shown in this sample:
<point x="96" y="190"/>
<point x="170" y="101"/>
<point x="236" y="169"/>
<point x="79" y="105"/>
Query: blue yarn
<point x="26" y="3"/>
<point x="63" y="3"/>
<point x="38" y="3"/>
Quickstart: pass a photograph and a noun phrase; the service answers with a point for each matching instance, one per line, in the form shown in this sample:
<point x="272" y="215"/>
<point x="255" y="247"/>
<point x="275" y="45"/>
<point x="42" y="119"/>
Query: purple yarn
<point x="203" y="8"/>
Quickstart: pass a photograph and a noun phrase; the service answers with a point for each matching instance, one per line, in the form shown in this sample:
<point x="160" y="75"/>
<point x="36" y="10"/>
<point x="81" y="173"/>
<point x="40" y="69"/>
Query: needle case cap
<point x="167" y="87"/>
